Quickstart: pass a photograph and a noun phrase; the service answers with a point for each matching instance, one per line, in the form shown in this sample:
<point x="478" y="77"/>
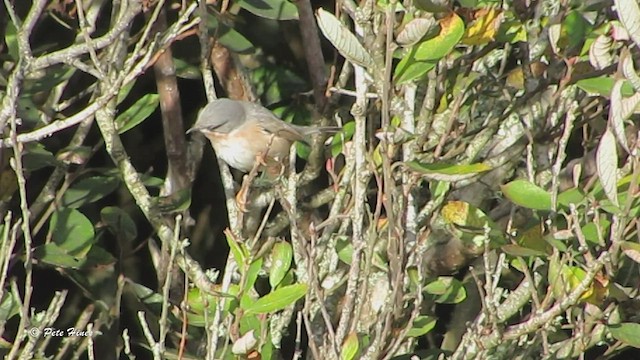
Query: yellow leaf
<point x="485" y="27"/>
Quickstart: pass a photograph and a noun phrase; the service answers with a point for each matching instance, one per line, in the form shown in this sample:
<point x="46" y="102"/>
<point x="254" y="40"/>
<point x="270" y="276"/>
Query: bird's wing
<point x="282" y="129"/>
<point x="272" y="124"/>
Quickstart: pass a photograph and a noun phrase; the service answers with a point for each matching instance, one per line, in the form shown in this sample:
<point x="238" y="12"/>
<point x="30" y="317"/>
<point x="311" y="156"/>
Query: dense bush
<point x="480" y="202"/>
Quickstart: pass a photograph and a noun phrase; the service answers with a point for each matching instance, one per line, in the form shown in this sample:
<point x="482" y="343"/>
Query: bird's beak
<point x="191" y="130"/>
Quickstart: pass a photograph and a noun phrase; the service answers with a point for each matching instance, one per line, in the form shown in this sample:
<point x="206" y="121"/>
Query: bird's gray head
<point x="221" y="115"/>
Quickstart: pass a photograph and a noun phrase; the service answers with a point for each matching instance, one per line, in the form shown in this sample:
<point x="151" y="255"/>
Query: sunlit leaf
<point x="607" y="165"/>
<point x="523" y="193"/>
<point x="422" y="325"/>
<point x="344" y="41"/>
<point x="253" y="272"/>
<point x="484" y="28"/>
<point x="244" y="344"/>
<point x="597" y="232"/>
<point x="628" y="70"/>
<point x="629" y="14"/>
<point x="281" y="258"/>
<point x="565" y="279"/>
<point x="277" y="300"/>
<point x="451" y="31"/>
<point x="620" y="109"/>
<point x="350" y="347"/>
<point x="448" y="172"/>
<point x="409" y="69"/>
<point x="447" y="290"/>
<point x="631" y="249"/>
<point x="628" y="333"/>
<point x="602" y="86"/>
<point x="465" y="215"/>
<point x="600" y="52"/>
<point x="416" y="29"/>
<point x="238" y="250"/>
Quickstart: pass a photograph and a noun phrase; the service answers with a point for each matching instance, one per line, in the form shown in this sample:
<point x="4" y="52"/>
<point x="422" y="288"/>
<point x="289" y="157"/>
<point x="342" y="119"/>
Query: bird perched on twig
<point x="243" y="132"/>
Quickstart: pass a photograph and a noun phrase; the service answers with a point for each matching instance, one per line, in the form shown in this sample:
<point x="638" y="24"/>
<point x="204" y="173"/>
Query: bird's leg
<point x="243" y="194"/>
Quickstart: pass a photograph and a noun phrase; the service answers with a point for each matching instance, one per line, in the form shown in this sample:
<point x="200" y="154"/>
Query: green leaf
<point x="28" y="111"/>
<point x="229" y="37"/>
<point x="451" y="31"/>
<point x="37" y="157"/>
<point x="603" y="86"/>
<point x="448" y="172"/>
<point x="425" y="55"/>
<point x="11" y="40"/>
<point x="9" y="307"/>
<point x="631" y="249"/>
<point x="119" y="222"/>
<point x="422" y="325"/>
<point x="446" y="290"/>
<point x="275" y="84"/>
<point x="271" y="9"/>
<point x="72" y="231"/>
<point x="343" y="40"/>
<point x="278" y="299"/>
<point x="77" y="155"/>
<point x="53" y="77"/>
<point x="150" y="298"/>
<point x="89" y="190"/>
<point x="342" y="137"/>
<point x="137" y="113"/>
<point x="184" y="70"/>
<point x="574" y="29"/>
<point x="248" y="323"/>
<point x="528" y="195"/>
<point x="344" y="249"/>
<point x="252" y="273"/>
<point x="98" y="257"/>
<point x="590" y="230"/>
<point x="124" y="91"/>
<point x="432" y="6"/>
<point x="572" y="196"/>
<point x="517" y="250"/>
<point x="281" y="258"/>
<point x="410" y="69"/>
<point x="238" y="251"/>
<point x="176" y="202"/>
<point x="628" y="333"/>
<point x="55" y="255"/>
<point x="350" y="347"/>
